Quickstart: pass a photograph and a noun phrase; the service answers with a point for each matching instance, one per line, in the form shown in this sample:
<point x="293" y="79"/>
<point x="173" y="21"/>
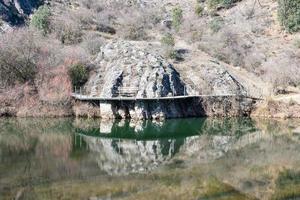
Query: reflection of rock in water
<point x="124" y="147"/>
<point x="105" y="127"/>
<point x="119" y="157"/>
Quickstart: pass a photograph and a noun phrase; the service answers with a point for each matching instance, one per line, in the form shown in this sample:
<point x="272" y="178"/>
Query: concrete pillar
<point x="106" y="110"/>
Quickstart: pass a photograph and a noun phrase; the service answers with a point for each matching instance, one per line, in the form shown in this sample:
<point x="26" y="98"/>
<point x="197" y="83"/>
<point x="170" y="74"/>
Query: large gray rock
<point x="136" y="65"/>
<point x="4" y="27"/>
<point x="139" y="65"/>
<point x="133" y="64"/>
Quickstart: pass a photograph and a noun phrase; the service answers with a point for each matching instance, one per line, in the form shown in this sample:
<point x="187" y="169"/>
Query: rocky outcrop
<point x="124" y="64"/>
<point x="134" y="64"/>
<point x="16" y="11"/>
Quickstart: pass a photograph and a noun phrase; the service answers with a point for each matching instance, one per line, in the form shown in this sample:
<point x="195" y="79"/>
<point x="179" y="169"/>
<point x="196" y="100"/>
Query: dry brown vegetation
<point x="75" y="31"/>
<point x="34" y="63"/>
<point x="247" y="35"/>
<point x="244" y="34"/>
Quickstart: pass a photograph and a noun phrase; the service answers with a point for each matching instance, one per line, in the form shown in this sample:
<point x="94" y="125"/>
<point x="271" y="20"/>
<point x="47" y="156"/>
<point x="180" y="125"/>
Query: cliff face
<point x="139" y="65"/>
<point x="15" y="12"/>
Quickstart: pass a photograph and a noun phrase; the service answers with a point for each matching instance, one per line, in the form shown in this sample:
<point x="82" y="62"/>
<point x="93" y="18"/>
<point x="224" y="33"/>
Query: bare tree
<point x="18" y="56"/>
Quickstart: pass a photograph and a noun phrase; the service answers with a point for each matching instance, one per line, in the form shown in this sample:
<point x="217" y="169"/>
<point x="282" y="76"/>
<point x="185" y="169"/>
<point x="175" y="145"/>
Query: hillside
<point x="212" y="44"/>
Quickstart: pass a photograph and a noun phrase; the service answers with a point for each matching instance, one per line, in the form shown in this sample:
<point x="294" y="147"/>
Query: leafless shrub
<point x="193" y="29"/>
<point x="107" y="16"/>
<point x="68" y="31"/>
<point x="225" y="46"/>
<point x="53" y="83"/>
<point x="93" y="43"/>
<point x="253" y="61"/>
<point x="19" y="52"/>
<point x="92" y="5"/>
<point x="74" y="21"/>
<point x="134" y="32"/>
<point x="297" y="43"/>
<point x="50" y="54"/>
<point x="75" y="54"/>
<point x="196" y="36"/>
<point x="168" y="43"/>
<point x="135" y="22"/>
<point x="233" y="49"/>
<point x="283" y="70"/>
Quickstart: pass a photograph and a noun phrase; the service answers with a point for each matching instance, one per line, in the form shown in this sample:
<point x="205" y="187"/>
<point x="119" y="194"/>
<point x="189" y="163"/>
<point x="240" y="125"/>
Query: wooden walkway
<point x="122" y="98"/>
<point x="130" y="94"/>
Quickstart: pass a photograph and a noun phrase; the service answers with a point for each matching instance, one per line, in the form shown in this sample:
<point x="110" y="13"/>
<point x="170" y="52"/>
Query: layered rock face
<point x="137" y="65"/>
<point x="124" y="64"/>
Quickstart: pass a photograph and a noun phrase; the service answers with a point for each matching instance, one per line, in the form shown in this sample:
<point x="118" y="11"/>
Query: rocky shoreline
<point x="225" y="106"/>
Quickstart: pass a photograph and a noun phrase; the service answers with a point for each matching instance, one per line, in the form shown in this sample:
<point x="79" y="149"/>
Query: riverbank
<point x="278" y="108"/>
<point x="28" y="104"/>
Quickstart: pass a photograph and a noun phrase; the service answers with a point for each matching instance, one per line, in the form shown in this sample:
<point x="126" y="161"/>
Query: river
<point x="197" y="159"/>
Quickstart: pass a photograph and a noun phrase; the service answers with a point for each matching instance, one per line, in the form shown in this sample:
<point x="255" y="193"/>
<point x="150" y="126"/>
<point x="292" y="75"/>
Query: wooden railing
<point x="130" y="93"/>
<point x="127" y="91"/>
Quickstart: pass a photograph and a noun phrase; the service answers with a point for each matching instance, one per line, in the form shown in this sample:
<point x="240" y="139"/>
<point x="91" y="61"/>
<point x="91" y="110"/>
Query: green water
<point x="207" y="159"/>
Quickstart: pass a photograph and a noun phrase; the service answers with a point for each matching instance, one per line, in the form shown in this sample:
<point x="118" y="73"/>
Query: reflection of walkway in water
<point x="126" y="147"/>
<point x="144" y="130"/>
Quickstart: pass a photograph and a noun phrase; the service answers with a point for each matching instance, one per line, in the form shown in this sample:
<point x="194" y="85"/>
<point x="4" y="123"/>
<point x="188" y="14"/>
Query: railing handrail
<point x="80" y="96"/>
<point x="128" y="87"/>
<point x="131" y="92"/>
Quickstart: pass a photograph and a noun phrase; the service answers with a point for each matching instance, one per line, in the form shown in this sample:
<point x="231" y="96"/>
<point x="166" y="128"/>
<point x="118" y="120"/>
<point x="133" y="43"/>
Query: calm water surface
<point x="197" y="159"/>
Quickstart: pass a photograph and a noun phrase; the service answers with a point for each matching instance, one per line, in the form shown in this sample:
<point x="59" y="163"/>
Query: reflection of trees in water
<point x="33" y="152"/>
<point x="228" y="126"/>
